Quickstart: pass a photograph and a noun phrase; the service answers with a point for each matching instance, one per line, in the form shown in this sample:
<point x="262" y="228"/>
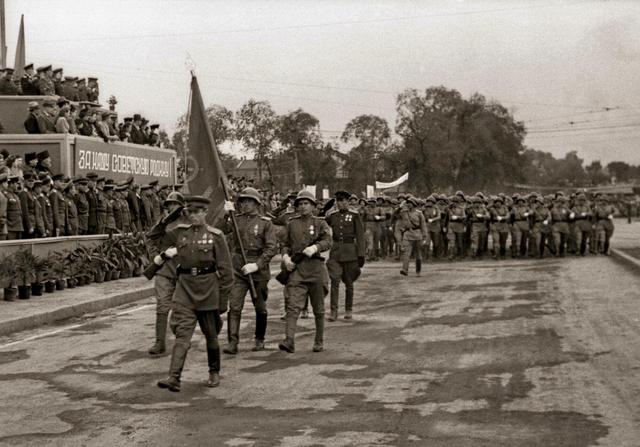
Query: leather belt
<point x="251" y="252"/>
<point x="346" y="240"/>
<point x="196" y="271"/>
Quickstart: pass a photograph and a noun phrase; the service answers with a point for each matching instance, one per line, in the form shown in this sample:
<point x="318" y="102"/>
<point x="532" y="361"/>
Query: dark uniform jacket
<point x="8" y="87"/>
<point x="301" y="232"/>
<point x="72" y="216"/>
<point x="134" y="207"/>
<point x="14" y="212"/>
<point x="29" y="86"/>
<point x="47" y="213"/>
<point x="46" y="87"/>
<point x="259" y="240"/>
<point x="28" y="204"/>
<point x="3" y="214"/>
<point x="137" y="136"/>
<point x="46" y="123"/>
<point x="348" y="236"/>
<point x="82" y="206"/>
<point x="59" y="209"/>
<point x="201" y="248"/>
<point x="101" y="209"/>
<point x="31" y="124"/>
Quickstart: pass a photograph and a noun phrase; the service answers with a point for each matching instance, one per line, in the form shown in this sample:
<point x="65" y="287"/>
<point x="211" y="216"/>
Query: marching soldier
<point x="603" y="213"/>
<point x="259" y="242"/>
<point x="14" y="210"/>
<point x="456" y="227"/>
<point x="347" y="253"/>
<point x="165" y="278"/>
<point x="477" y="216"/>
<point x="305" y="237"/>
<point x="520" y="220"/>
<point x="205" y="276"/>
<point x="541" y="225"/>
<point x="582" y="215"/>
<point x="414" y="235"/>
<point x="499" y="227"/>
<point x="372" y="218"/>
<point x="560" y="226"/>
<point x="432" y="218"/>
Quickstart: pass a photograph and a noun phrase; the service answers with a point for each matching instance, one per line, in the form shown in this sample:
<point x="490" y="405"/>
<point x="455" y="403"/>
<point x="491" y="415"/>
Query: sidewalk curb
<point x="75" y="310"/>
<point x="625" y="258"/>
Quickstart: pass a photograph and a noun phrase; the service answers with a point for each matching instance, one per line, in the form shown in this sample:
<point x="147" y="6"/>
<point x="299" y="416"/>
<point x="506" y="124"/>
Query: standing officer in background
<point x="30" y="206"/>
<point x="165" y="278"/>
<point x="259" y="242"/>
<point x="305" y="237"/>
<point x="14" y="210"/>
<point x="347" y="253"/>
<point x="58" y="206"/>
<point x="92" y="200"/>
<point x="72" y="211"/>
<point x="82" y="205"/>
<point x="205" y="277"/>
<point x="101" y="206"/>
<point x="414" y="235"/>
<point x="3" y="206"/>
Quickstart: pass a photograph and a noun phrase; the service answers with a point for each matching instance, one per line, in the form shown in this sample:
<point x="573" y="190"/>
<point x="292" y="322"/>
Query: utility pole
<point x="3" y="37"/>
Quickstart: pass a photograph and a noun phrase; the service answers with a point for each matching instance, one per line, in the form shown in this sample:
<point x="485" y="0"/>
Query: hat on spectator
<point x="28" y="176"/>
<point x="165" y="186"/>
<point x="46" y="180"/>
<point x="8" y="70"/>
<point x="92" y="175"/>
<point x="13" y="179"/>
<point x="145" y="187"/>
<point x="4" y="153"/>
<point x="62" y="101"/>
<point x="82" y="81"/>
<point x="48" y="103"/>
<point x="28" y="66"/>
<point x="137" y="117"/>
<point x="100" y="179"/>
<point x="109" y="187"/>
<point x="69" y="78"/>
<point x="153" y="183"/>
<point x="197" y="202"/>
<point x="67" y="186"/>
<point x="58" y="70"/>
<point x="121" y="186"/>
<point x="37" y="183"/>
<point x="29" y="156"/>
<point x="43" y="155"/>
<point x="144" y="121"/>
<point x="342" y="195"/>
<point x="57" y="177"/>
<point x="129" y="180"/>
<point x="353" y="197"/>
<point x="43" y="68"/>
<point x="92" y="79"/>
<point x="106" y="114"/>
<point x="128" y="119"/>
<point x="154" y="126"/>
<point x="4" y="177"/>
<point x="81" y="181"/>
<point x="32" y="105"/>
<point x="109" y="181"/>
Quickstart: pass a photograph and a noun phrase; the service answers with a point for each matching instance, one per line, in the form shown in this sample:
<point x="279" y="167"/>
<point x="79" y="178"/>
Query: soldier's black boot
<point x="348" y="302"/>
<point x="178" y="357"/>
<point x="288" y="344"/>
<point x="213" y="358"/>
<point x="335" y="294"/>
<point x="233" y="331"/>
<point x="318" y="343"/>
<point x="418" y="266"/>
<point x="261" y="330"/>
<point x="161" y="335"/>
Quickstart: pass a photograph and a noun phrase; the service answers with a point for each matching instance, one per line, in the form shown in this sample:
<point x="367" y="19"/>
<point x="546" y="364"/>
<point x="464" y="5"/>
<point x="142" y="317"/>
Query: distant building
<point x="247" y="168"/>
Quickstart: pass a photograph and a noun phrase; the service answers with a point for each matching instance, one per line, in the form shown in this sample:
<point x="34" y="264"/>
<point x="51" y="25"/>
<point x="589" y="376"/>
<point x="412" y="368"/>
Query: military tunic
<point x="59" y="209"/>
<point x="101" y="212"/>
<point x="28" y="206"/>
<point x="47" y="214"/>
<point x="72" y="216"/>
<point x="82" y="206"/>
<point x="14" y="216"/>
<point x="3" y="216"/>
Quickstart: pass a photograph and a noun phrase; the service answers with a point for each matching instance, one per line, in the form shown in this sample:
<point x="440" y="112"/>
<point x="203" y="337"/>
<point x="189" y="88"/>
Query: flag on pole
<point x="18" y="66"/>
<point x="400" y="180"/>
<point x="205" y="175"/>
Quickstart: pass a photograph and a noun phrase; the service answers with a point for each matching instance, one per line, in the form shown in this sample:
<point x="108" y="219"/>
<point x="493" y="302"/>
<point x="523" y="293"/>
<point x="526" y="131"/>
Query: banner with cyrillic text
<point x="118" y="161"/>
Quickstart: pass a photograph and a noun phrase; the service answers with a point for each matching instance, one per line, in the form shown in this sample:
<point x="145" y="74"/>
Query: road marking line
<point x="67" y="328"/>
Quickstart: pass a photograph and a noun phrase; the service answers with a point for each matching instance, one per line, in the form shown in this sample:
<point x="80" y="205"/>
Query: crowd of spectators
<point x="47" y="81"/>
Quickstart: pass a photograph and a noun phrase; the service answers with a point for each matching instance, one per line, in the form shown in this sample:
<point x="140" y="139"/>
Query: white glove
<point x="499" y="218"/>
<point x="429" y="220"/>
<point x="572" y="215"/>
<point x="454" y="217"/>
<point x="288" y="264"/>
<point x="526" y="214"/>
<point x="158" y="260"/>
<point x="229" y="206"/>
<point x="546" y="222"/>
<point x="310" y="250"/>
<point x="247" y="269"/>
<point x="610" y="217"/>
<point x="171" y="252"/>
<point x="583" y="214"/>
<point x="378" y="217"/>
<point x="480" y="215"/>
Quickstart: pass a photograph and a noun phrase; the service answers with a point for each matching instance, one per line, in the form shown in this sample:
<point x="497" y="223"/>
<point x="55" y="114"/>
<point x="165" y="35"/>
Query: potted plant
<point x="42" y="268"/>
<point x="24" y="262"/>
<point x="59" y="270"/>
<point x="8" y="278"/>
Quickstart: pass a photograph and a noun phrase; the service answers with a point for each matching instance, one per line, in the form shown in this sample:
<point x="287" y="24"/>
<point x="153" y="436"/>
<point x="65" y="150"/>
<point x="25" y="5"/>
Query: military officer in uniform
<point x="101" y="206"/>
<point x="603" y="216"/>
<point x="499" y="227"/>
<point x="259" y="242"/>
<point x="82" y="204"/>
<point x="3" y="206"/>
<point x="305" y="236"/>
<point x="165" y="278"/>
<point x="28" y="205"/>
<point x="477" y="216"/>
<point x="14" y="210"/>
<point x="582" y="215"/>
<point x="45" y="203"/>
<point x="347" y="253"/>
<point x="205" y="277"/>
<point x="92" y="200"/>
<point x="72" y="211"/>
<point x="560" y="226"/>
<point x="414" y="235"/>
<point x="58" y="206"/>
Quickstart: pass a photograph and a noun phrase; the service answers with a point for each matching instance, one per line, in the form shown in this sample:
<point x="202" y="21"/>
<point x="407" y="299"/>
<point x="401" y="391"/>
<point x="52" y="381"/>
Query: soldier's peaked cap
<point x="57" y="177"/>
<point x="250" y="193"/>
<point x="197" y="201"/>
<point x="341" y="195"/>
<point x="92" y="175"/>
<point x="304" y="195"/>
<point x="154" y="183"/>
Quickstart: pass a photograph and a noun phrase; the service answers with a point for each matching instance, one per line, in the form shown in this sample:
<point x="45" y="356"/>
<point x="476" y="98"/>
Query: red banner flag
<point x="18" y="66"/>
<point x="205" y="175"/>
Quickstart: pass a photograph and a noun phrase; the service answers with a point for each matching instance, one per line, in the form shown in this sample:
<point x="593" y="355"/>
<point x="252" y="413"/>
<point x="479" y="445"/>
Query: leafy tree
<point x="257" y="128"/>
<point x="220" y="121"/>
<point x="620" y="170"/>
<point x="595" y="173"/>
<point x="298" y="134"/>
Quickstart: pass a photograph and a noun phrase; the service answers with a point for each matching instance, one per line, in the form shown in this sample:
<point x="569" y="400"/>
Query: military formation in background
<point x="35" y="203"/>
<point x="47" y="81"/>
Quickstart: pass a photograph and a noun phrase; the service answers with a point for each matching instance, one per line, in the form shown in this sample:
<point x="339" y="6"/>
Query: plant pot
<point x="37" y="288"/>
<point x="60" y="284"/>
<point x="10" y="293"/>
<point x="98" y="277"/>
<point x="49" y="286"/>
<point x="138" y="271"/>
<point x="107" y="275"/>
<point x="81" y="280"/>
<point x="125" y="274"/>
<point x="115" y="274"/>
<point x="88" y="279"/>
<point x="71" y="283"/>
<point x="24" y="292"/>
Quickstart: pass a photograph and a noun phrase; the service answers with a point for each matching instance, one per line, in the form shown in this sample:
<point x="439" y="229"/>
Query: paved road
<point x="530" y="353"/>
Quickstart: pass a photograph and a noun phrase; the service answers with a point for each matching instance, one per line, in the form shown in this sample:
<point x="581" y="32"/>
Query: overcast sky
<point x="551" y="63"/>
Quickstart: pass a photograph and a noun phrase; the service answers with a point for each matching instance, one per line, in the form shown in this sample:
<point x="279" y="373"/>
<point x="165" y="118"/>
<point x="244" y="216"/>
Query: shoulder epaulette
<point x="268" y="219"/>
<point x="297" y="216"/>
<point x="183" y="226"/>
<point x="214" y="230"/>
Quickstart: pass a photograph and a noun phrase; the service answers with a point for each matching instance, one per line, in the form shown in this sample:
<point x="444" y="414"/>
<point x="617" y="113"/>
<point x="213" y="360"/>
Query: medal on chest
<point x="348" y="218"/>
<point x="311" y="230"/>
<point x="255" y="230"/>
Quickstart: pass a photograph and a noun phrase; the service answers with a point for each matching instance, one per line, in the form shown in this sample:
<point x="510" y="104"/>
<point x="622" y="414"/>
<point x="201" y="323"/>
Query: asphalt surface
<point x="486" y="353"/>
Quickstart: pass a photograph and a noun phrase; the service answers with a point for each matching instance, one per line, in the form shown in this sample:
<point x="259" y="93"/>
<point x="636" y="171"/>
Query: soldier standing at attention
<point x="72" y="212"/>
<point x="3" y="206"/>
<point x="45" y="203"/>
<point x="477" y="216"/>
<point x="205" y="277"/>
<point x="541" y="224"/>
<point x="260" y="243"/>
<point x="82" y="205"/>
<point x="28" y="205"/>
<point x="165" y="278"/>
<point x="101" y="206"/>
<point x="14" y="210"/>
<point x="58" y="206"/>
<point x="305" y="237"/>
<point x="603" y="214"/>
<point x="520" y="218"/>
<point x="45" y="83"/>
<point x="582" y="215"/>
<point x="347" y="253"/>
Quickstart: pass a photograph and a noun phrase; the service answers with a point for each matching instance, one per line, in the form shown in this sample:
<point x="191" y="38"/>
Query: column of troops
<point x="39" y="205"/>
<point x="460" y="226"/>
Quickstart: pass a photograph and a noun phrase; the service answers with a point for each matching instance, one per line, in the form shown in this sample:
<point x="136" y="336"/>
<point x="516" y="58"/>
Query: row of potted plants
<point x="23" y="274"/>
